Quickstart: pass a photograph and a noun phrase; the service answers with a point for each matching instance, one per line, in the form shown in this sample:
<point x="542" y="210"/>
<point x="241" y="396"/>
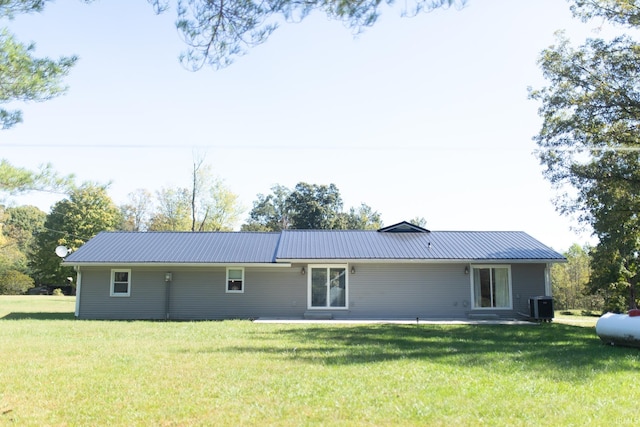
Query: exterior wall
<point x="147" y="300"/>
<point x="194" y="293"/>
<point x="431" y="291"/>
<point x="375" y="291"/>
<point x="268" y="292"/>
<point x="528" y="281"/>
<point x="408" y="291"/>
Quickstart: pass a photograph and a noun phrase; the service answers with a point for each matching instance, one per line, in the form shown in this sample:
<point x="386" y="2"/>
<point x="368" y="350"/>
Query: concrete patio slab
<point x="395" y="321"/>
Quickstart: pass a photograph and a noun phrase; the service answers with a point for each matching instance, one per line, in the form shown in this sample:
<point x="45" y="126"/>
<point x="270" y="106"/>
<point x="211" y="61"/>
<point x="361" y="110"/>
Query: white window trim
<point x="226" y="282"/>
<point x="346" y="285"/>
<point x="471" y="275"/>
<point x="113" y="276"/>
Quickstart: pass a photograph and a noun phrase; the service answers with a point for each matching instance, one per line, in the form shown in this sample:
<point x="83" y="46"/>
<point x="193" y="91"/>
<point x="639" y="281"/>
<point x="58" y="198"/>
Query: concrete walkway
<point x="395" y="321"/>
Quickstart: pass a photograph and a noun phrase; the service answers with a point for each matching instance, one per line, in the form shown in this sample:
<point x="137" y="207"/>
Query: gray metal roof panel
<point x="291" y="245"/>
<point x="177" y="247"/>
<point x="444" y="245"/>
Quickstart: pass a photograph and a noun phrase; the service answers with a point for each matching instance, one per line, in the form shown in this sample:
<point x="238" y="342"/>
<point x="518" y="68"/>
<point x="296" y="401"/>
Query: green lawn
<point x="58" y="371"/>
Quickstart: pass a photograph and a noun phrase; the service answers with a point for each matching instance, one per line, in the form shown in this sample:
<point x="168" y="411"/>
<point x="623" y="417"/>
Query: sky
<point x="416" y="117"/>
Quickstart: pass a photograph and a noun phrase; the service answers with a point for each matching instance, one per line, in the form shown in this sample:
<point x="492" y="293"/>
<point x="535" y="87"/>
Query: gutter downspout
<point x="78" y="286"/>
<point x="167" y="307"/>
<point x="547" y="280"/>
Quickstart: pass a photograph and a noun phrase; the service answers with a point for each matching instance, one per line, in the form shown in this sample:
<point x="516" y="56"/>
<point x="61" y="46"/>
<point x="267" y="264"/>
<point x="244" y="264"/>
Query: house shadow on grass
<point x="557" y="352"/>
<point x="37" y="316"/>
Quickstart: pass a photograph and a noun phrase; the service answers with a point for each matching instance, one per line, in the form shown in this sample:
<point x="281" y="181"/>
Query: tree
<point x="24" y="77"/>
<point x="15" y="180"/>
<point x="625" y="12"/>
<point x="215" y="33"/>
<point x="270" y="212"/>
<point x="213" y="206"/>
<point x="315" y="206"/>
<point x="570" y="280"/>
<point x="21" y="224"/>
<point x="71" y="222"/>
<point x="13" y="282"/>
<point x="362" y="218"/>
<point x="11" y="257"/>
<point x="589" y="142"/>
<point x="220" y="207"/>
<point x="136" y="214"/>
<point x="173" y="210"/>
<point x="420" y="221"/>
<point x="308" y="206"/>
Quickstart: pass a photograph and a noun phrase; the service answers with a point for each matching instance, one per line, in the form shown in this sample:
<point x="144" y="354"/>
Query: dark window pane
<point x="120" y="288"/>
<point x="318" y="287"/>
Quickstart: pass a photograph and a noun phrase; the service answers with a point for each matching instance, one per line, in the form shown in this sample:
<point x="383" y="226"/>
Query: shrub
<point x="13" y="282"/>
<point x="57" y="292"/>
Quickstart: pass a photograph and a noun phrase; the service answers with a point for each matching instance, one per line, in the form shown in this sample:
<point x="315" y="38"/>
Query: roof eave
<point x="175" y="264"/>
<point x="421" y="260"/>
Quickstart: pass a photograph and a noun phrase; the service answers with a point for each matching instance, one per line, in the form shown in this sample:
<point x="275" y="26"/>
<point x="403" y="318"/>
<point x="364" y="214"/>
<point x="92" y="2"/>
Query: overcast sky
<point x="424" y="116"/>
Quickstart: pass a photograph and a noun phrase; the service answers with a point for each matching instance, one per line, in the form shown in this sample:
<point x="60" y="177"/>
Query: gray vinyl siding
<point x="195" y="294"/>
<point x="528" y="281"/>
<point x="408" y="291"/>
<point x="430" y="291"/>
<point x="147" y="299"/>
<point x="375" y="291"/>
<point x="268" y="292"/>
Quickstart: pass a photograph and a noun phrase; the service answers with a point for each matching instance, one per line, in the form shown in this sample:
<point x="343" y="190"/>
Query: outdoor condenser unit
<point x="541" y="308"/>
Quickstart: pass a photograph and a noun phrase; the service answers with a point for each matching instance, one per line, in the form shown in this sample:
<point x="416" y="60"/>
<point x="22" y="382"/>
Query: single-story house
<point x="402" y="271"/>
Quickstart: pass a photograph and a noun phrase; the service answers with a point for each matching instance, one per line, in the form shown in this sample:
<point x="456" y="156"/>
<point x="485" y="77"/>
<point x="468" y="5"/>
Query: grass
<point x="58" y="371"/>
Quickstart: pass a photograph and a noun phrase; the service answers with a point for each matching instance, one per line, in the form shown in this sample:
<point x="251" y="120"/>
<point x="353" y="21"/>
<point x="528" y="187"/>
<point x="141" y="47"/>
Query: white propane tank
<point x="620" y="329"/>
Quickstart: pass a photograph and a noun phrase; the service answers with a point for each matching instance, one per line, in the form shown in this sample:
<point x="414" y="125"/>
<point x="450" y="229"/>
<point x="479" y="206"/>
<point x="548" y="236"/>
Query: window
<point x="120" y="283"/>
<point x="491" y="286"/>
<point x="235" y="280"/>
<point x="328" y="287"/>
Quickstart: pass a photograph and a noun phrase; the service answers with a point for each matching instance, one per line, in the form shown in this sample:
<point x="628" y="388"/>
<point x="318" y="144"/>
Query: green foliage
<point x="625" y="12"/>
<point x="308" y="206"/>
<point x="362" y="218"/>
<point x="270" y="212"/>
<point x="213" y="206"/>
<point x="57" y="292"/>
<point x="218" y="31"/>
<point x="570" y="281"/>
<point x="419" y="221"/>
<point x="13" y="282"/>
<point x="208" y="206"/>
<point x="71" y="222"/>
<point x="136" y="214"/>
<point x="25" y="77"/>
<point x="15" y="180"/>
<point x="21" y="223"/>
<point x="315" y="206"/>
<point x="173" y="210"/>
<point x="589" y="141"/>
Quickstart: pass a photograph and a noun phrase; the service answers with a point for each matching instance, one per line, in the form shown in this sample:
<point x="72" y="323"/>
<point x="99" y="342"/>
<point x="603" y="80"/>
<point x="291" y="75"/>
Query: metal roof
<point x="177" y="247"/>
<point x="435" y="245"/>
<point x="308" y="245"/>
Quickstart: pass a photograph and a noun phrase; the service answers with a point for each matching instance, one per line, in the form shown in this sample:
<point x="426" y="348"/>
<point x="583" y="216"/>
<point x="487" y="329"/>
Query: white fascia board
<point x="419" y="261"/>
<point x="176" y="264"/>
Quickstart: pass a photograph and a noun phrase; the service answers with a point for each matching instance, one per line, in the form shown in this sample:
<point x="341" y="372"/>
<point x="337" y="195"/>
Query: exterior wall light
<point x="353" y="270"/>
<point x="168" y="277"/>
<point x="466" y="269"/>
<point x="303" y="271"/>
